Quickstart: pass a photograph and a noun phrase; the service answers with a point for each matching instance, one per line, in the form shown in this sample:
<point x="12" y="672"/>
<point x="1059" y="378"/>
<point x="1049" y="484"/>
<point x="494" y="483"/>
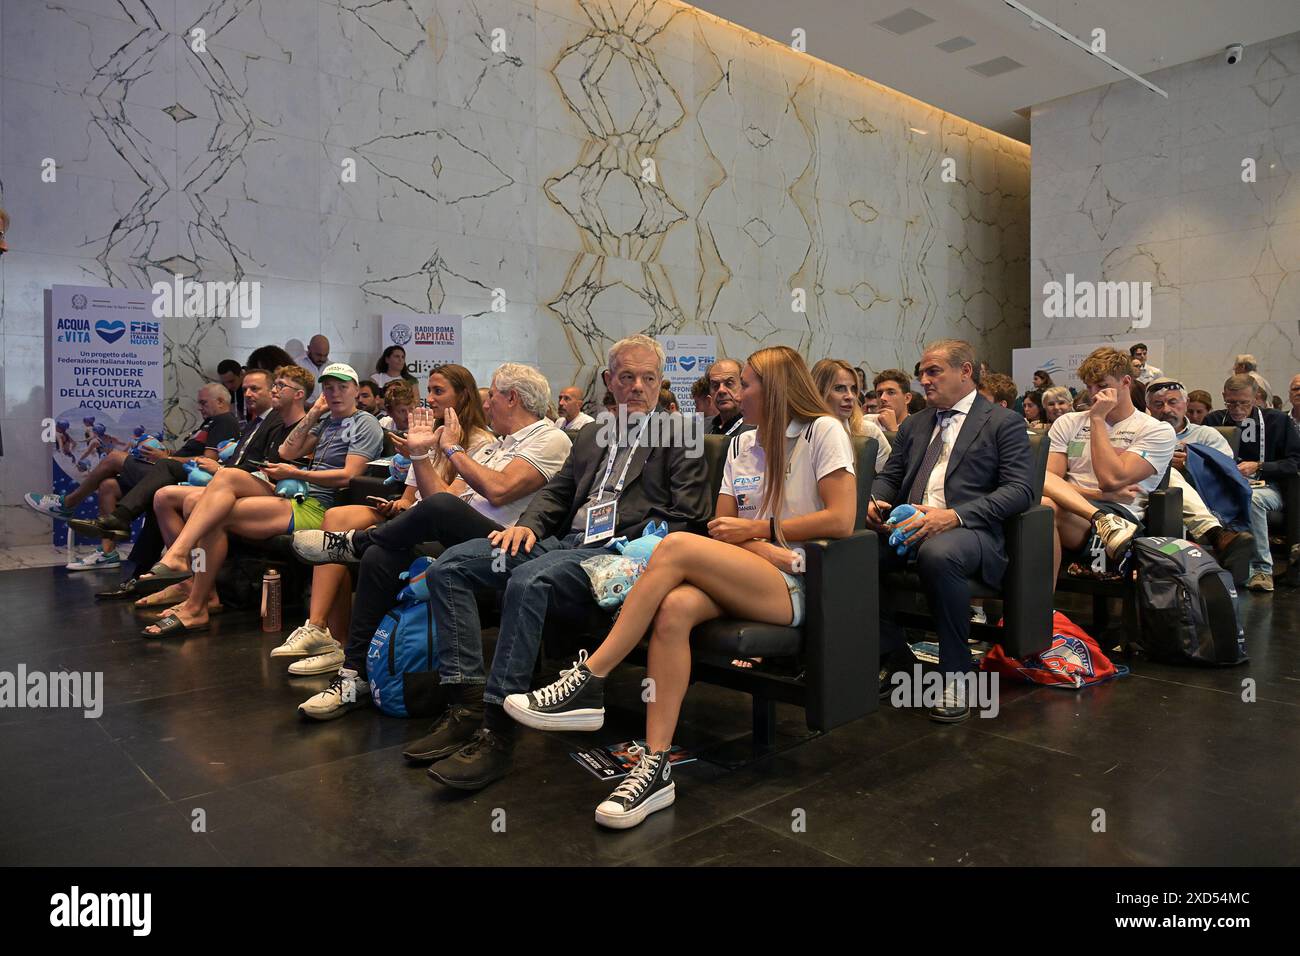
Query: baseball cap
<point x="344" y="373"/>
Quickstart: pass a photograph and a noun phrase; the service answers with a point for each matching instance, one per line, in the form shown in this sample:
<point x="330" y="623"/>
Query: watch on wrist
<point x="451" y="450"/>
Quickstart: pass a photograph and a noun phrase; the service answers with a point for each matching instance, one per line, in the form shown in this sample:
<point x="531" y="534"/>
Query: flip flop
<point x="123" y="591"/>
<point x="158" y="612"/>
<point x="746" y="663"/>
<point x="170" y="624"/>
<point x="160" y="578"/>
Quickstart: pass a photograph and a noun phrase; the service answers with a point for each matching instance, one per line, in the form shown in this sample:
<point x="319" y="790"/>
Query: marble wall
<point x="1129" y="186"/>
<point x="616" y="166"/>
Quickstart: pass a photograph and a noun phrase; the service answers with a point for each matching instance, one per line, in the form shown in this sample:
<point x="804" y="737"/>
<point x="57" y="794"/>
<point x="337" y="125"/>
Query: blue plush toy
<point x="294" y="488"/>
<point x="612" y="575"/>
<point x="398" y="467"/>
<point x="898" y="538"/>
<point x="641" y="548"/>
<point x="196" y="475"/>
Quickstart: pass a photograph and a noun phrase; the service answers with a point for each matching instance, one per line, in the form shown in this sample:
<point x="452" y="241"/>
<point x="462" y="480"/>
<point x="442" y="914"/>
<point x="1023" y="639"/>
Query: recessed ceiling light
<point x="905" y="21"/>
<point x="996" y="66"/>
<point x="955" y="44"/>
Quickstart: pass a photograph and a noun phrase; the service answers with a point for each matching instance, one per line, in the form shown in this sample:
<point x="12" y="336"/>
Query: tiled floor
<point x="1186" y="772"/>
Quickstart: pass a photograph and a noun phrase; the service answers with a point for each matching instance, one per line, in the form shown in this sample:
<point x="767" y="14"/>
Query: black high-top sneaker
<point x="646" y="789"/>
<point x="454" y="729"/>
<point x="574" y="702"/>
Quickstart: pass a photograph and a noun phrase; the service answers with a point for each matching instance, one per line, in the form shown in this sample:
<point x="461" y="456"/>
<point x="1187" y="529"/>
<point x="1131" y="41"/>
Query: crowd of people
<point x="519" y="493"/>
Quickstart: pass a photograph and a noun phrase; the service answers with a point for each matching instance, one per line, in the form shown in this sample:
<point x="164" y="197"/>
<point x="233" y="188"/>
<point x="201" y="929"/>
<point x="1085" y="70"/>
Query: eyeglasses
<point x="1244" y="403"/>
<point x="276" y="386"/>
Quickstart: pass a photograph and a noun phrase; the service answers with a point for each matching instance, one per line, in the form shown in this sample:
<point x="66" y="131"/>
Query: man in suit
<point x="964" y="463"/>
<point x="538" y="563"/>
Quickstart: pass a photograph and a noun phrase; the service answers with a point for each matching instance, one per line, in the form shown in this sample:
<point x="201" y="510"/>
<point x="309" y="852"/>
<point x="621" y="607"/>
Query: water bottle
<point x="271" y="601"/>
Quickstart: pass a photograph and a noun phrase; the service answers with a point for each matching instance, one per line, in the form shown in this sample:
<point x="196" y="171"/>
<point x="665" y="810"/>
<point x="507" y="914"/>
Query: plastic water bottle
<point x="271" y="601"/>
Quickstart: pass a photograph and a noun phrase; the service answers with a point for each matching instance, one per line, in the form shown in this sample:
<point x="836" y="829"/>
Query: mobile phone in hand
<point x="377" y="500"/>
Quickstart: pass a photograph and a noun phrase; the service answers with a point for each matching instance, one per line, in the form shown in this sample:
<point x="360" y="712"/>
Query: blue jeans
<point x="551" y="574"/>
<point x="1262" y="501"/>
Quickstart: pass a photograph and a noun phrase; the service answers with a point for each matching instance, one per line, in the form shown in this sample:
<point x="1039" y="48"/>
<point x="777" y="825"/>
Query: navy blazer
<point x="988" y="479"/>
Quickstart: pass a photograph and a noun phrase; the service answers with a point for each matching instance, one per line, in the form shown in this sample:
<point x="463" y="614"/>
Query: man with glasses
<point x="1268" y="449"/>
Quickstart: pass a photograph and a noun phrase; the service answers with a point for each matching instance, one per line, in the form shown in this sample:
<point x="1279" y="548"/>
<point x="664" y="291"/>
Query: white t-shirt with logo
<point x="1071" y="435"/>
<point x="541" y="444"/>
<point x="813" y="450"/>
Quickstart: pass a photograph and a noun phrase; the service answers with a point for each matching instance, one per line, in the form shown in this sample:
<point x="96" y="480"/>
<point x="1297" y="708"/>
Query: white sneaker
<point x="1115" y="533"/>
<point x="305" y="641"/>
<point x="347" y="691"/>
<point x="977" y="615"/>
<point x="49" y="505"/>
<point x="96" y="561"/>
<point x="326" y="663"/>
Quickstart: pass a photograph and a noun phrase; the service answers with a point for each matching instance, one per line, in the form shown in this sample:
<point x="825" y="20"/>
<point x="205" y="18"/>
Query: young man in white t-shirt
<point x="1104" y="462"/>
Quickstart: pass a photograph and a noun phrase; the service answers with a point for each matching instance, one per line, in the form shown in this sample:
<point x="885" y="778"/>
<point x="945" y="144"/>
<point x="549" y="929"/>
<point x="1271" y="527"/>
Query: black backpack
<point x="1187" y="604"/>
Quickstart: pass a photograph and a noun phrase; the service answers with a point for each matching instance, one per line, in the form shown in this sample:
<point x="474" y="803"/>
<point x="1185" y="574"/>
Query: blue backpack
<point x="402" y="662"/>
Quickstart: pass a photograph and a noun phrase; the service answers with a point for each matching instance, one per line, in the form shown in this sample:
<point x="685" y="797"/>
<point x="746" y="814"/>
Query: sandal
<point x="170" y="624"/>
<point x="160" y="578"/>
<point x="163" y="611"/>
<point x="123" y="591"/>
<point x="746" y="663"/>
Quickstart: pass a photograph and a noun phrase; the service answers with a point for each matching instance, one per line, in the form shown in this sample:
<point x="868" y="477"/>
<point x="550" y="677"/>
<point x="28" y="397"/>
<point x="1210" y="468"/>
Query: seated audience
<point x="392" y="367"/>
<point x="1057" y="401"/>
<point x="231" y="374"/>
<point x="1143" y="373"/>
<point x="1042" y="381"/>
<point x="1104" y="461"/>
<point x="315" y="360"/>
<point x="703" y="401"/>
<point x="571" y="410"/>
<point x="893" y="389"/>
<point x="339" y="437"/>
<point x="1246" y="365"/>
<point x="1268" y="449"/>
<point x="871" y="404"/>
<point x="791" y="479"/>
<point x="724" y="389"/>
<point x="453" y="408"/>
<point x="119" y="472"/>
<point x="469" y="495"/>
<point x="1166" y="401"/>
<point x="368" y="398"/>
<point x="667" y="401"/>
<point x="259" y="444"/>
<point x="838" y="386"/>
<point x="964" y="463"/>
<point x="399" y="399"/>
<point x="621" y="488"/>
<point x="271" y="358"/>
<point x="1033" y="410"/>
<point x="998" y="388"/>
<point x="1199" y="404"/>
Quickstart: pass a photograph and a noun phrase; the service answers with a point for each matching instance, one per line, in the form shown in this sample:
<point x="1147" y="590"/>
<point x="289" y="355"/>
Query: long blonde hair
<point x="824" y="374"/>
<point x="789" y="393"/>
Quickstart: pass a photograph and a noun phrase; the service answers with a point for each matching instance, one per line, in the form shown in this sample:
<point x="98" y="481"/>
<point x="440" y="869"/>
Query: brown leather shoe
<point x="1233" y="549"/>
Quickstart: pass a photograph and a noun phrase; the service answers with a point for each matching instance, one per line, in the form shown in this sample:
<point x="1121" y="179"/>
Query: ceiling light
<point x="1037" y="21"/>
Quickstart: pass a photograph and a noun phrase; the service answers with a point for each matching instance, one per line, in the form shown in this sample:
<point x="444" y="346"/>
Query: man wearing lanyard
<point x="724" y="389"/>
<point x="606" y="489"/>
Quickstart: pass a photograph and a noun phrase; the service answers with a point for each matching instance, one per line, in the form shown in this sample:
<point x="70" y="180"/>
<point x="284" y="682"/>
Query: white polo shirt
<point x="541" y="444"/>
<point x="1193" y="434"/>
<point x="579" y="421"/>
<point x="813" y="450"/>
<point x="1071" y="435"/>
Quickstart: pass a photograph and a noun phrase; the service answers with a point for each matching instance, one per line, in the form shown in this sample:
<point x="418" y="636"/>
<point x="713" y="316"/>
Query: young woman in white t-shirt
<point x="791" y="479"/>
<point x="392" y="366"/>
<point x="451" y="388"/>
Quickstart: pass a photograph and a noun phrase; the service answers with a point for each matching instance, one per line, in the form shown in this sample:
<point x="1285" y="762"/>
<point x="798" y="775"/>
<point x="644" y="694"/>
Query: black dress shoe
<point x="952" y="709"/>
<point x="486" y="758"/>
<point x="901" y="659"/>
<point x="453" y="730"/>
<point x="105" y="526"/>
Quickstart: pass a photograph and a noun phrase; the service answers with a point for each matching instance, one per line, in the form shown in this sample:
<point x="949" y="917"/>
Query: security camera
<point x="1233" y="54"/>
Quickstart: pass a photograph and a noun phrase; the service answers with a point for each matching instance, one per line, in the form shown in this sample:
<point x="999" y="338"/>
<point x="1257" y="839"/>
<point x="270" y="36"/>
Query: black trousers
<point x="144" y="481"/>
<point x="945" y="564"/>
<point x="389" y="550"/>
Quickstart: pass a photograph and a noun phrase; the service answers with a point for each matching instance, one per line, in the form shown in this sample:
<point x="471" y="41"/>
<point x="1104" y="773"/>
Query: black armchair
<point x="1286" y="522"/>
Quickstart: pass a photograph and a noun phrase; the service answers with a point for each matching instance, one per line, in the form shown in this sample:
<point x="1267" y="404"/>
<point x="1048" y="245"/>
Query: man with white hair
<point x="611" y="486"/>
<point x="490" y="490"/>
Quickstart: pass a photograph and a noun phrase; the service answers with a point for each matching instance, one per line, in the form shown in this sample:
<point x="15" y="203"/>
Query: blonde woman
<point x="837" y="381"/>
<point x="790" y="479"/>
<point x="451" y="389"/>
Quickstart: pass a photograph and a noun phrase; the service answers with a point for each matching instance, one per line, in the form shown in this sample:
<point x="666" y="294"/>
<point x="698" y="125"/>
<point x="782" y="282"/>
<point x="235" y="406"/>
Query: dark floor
<point x="1186" y="772"/>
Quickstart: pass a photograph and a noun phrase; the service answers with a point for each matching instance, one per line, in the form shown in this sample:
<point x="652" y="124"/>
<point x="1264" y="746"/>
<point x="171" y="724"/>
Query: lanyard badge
<point x="602" y="517"/>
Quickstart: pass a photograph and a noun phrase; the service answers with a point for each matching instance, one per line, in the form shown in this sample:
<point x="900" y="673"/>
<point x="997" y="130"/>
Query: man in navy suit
<point x="965" y="464"/>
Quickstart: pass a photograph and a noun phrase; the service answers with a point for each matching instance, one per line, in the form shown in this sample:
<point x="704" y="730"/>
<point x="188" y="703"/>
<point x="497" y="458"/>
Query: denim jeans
<point x="1262" y="501"/>
<point x="550" y="575"/>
